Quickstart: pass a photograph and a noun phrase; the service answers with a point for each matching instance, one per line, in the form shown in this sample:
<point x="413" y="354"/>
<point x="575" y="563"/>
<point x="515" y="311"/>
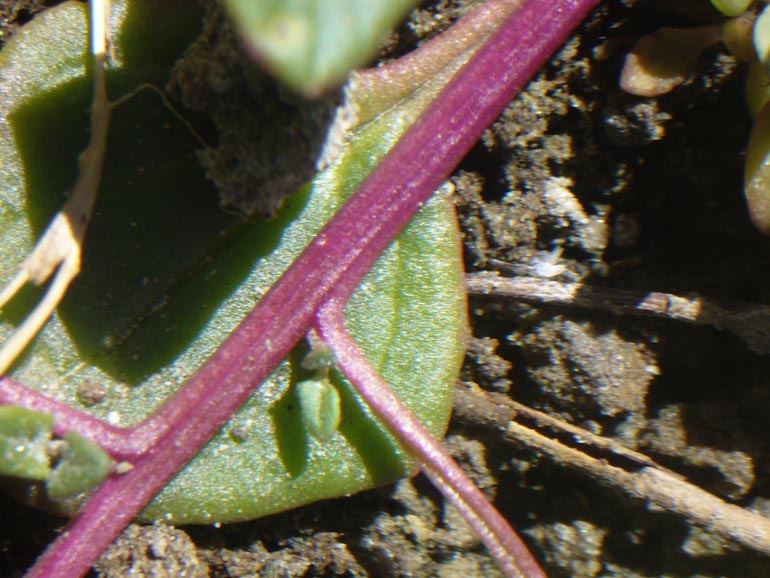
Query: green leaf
<point x="732" y="7"/>
<point x="167" y="276"/>
<point x="319" y="406"/>
<point x="82" y="466"/>
<point x="313" y="44"/>
<point x="24" y="437"/>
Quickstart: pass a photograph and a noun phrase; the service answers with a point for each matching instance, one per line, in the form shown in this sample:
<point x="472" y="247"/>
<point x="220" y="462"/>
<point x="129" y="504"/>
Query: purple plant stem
<point x="378" y="88"/>
<point x="510" y="553"/>
<point x="337" y="258"/>
<point x="120" y="443"/>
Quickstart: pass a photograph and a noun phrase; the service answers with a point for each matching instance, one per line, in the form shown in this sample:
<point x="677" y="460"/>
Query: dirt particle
<point x="91" y="392"/>
<point x="157" y="551"/>
<point x="576" y="363"/>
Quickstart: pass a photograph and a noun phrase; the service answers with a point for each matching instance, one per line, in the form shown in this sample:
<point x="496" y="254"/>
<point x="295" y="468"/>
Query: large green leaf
<point x="167" y="275"/>
<point x="313" y="44"/>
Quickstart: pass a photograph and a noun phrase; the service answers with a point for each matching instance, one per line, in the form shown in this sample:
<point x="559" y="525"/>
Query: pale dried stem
<point x="61" y="246"/>
<point x="749" y="321"/>
<point x="631" y="472"/>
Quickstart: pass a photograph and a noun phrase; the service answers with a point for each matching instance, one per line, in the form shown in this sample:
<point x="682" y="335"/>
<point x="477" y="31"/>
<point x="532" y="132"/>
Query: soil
<point x="641" y="194"/>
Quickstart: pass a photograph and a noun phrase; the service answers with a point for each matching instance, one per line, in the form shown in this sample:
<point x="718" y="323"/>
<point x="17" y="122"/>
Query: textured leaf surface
<point x="167" y="276"/>
<point x="24" y="437"/>
<point x="313" y="44"/>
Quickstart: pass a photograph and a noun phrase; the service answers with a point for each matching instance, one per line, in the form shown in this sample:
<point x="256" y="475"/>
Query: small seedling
<point x="68" y="467"/>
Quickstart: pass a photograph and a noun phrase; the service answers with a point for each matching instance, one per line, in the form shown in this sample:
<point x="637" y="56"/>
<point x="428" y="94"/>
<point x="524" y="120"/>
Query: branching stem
<point x="332" y="265"/>
<point x="506" y="547"/>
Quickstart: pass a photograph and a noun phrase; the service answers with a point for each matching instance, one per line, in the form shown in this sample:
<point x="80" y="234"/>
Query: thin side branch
<point x="123" y="444"/>
<point x="658" y="487"/>
<point x="510" y="553"/>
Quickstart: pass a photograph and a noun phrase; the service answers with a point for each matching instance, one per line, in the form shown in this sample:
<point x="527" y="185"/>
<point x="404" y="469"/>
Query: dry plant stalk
<point x="619" y="467"/>
<point x="60" y="248"/>
<point x="749" y="321"/>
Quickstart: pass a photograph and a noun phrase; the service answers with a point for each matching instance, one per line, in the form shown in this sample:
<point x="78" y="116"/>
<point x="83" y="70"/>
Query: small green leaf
<point x="24" y="437"/>
<point x="25" y="442"/>
<point x="732" y="7"/>
<point x="320" y="407"/>
<point x="82" y="466"/>
<point x="313" y="44"/>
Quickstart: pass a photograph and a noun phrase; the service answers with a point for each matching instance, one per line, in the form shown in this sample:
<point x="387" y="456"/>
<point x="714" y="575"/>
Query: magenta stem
<point x="510" y="553"/>
<point x="114" y="440"/>
<point x="433" y="146"/>
<point x="337" y="258"/>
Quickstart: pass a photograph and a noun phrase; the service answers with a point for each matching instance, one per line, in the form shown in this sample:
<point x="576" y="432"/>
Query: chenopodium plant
<point x="127" y="327"/>
<point x="114" y="359"/>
